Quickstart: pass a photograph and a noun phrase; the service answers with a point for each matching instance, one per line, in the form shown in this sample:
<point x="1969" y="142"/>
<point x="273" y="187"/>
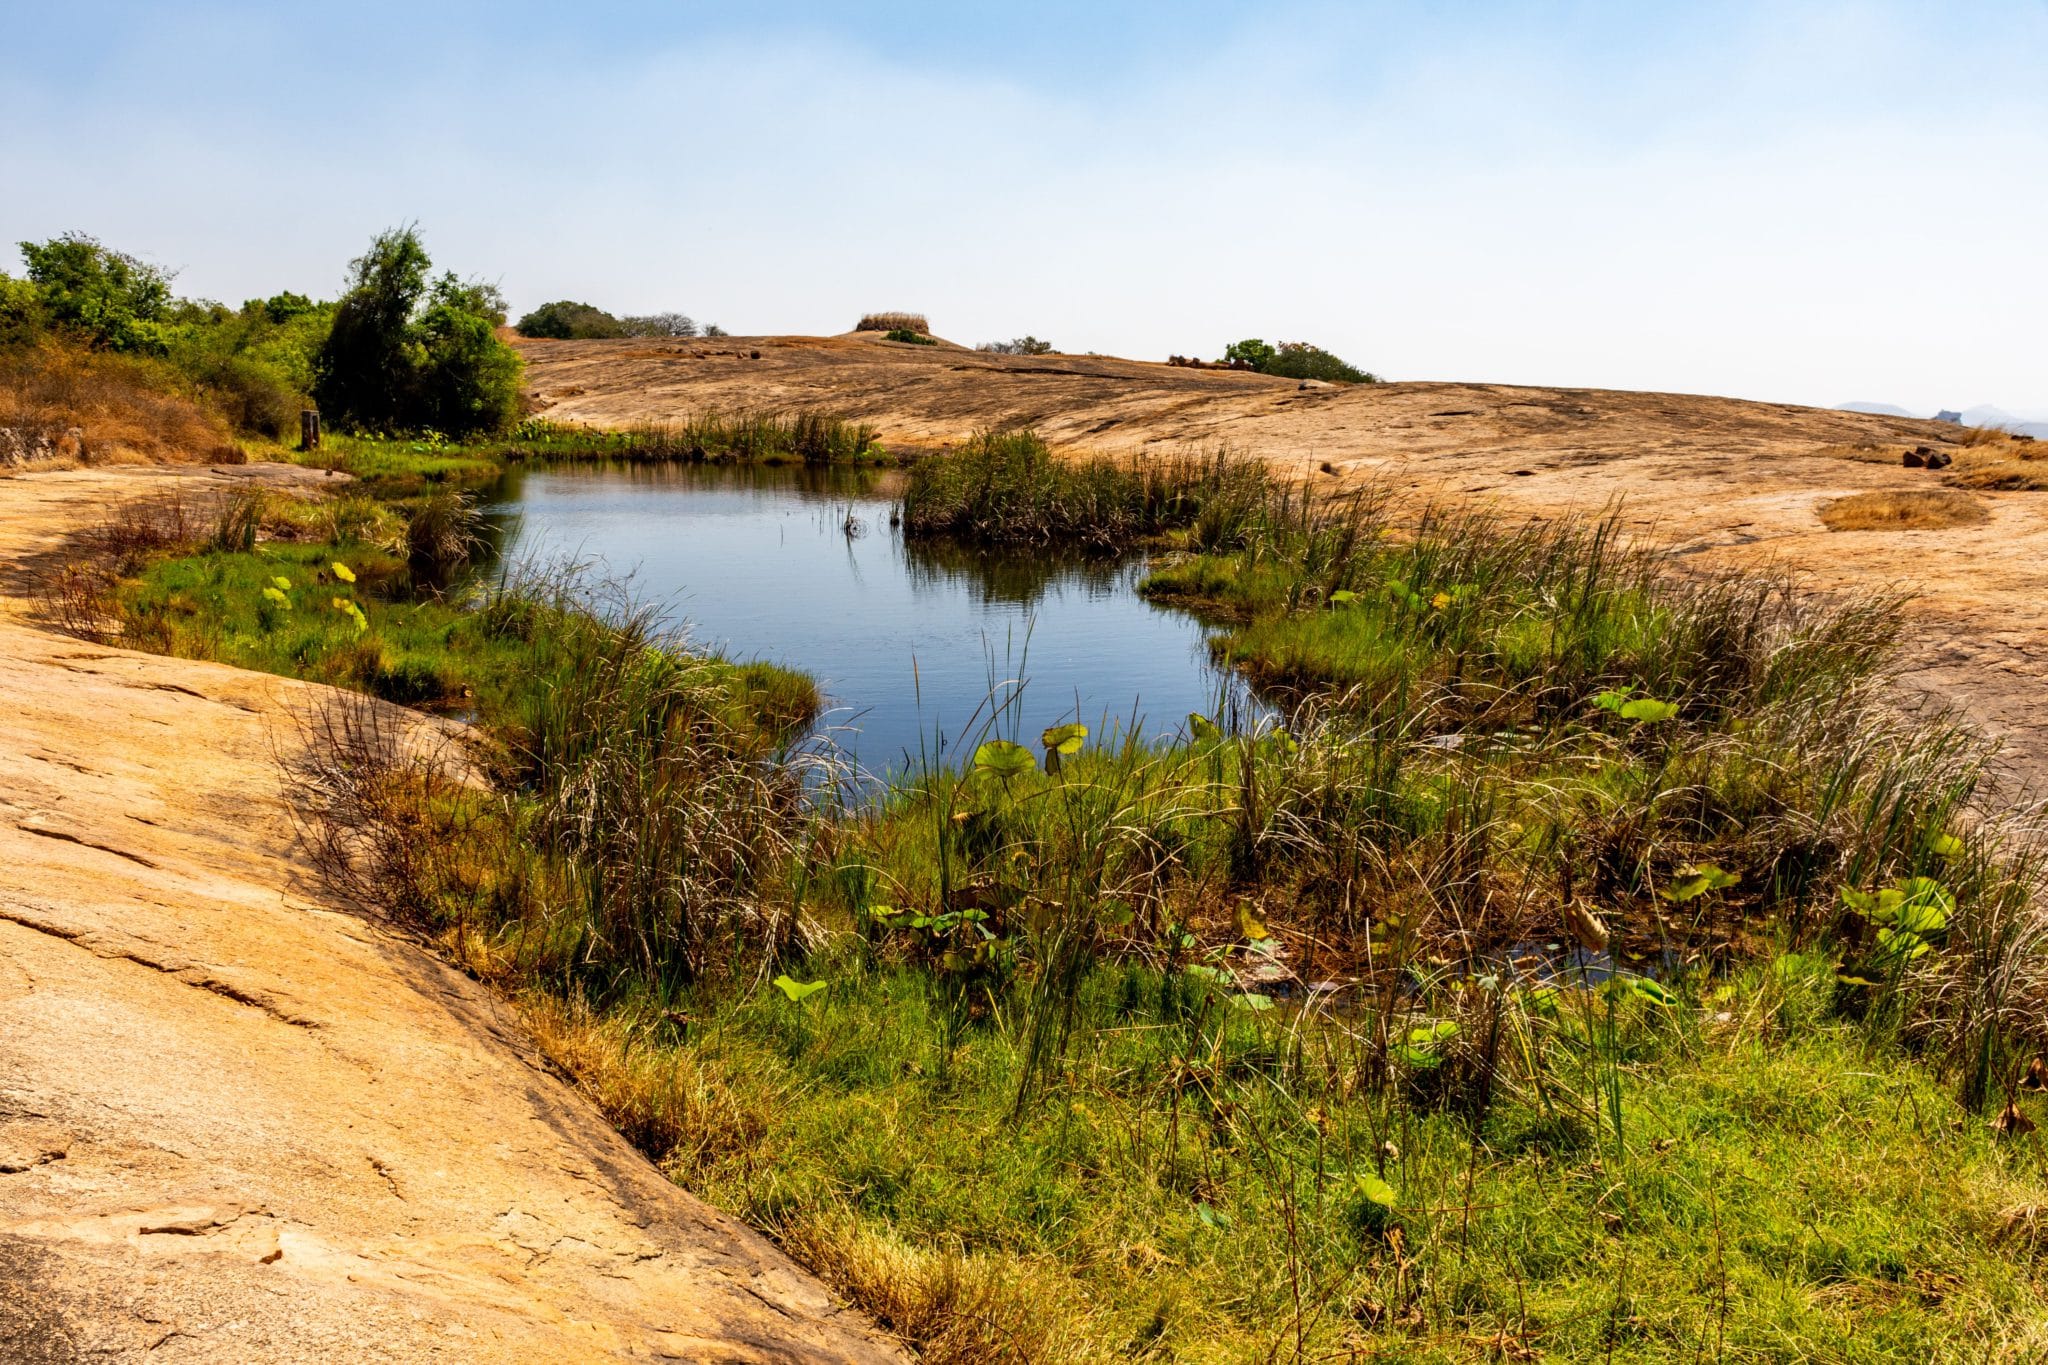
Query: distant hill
<point x="1983" y="415"/>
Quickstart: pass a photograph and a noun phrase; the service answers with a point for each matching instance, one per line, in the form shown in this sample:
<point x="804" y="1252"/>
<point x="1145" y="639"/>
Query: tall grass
<point x="713" y="436"/>
<point x="651" y="797"/>
<point x="893" y="322"/>
<point x="1007" y="488"/>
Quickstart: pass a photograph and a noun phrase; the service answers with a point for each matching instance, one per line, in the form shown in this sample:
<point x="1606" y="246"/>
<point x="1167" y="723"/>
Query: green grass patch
<point x="1216" y="1184"/>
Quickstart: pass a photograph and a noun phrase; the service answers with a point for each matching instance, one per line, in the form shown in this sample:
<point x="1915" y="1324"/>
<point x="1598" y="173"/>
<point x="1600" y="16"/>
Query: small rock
<point x="1914" y="459"/>
<point x="1315" y="384"/>
<point x="1940" y="459"/>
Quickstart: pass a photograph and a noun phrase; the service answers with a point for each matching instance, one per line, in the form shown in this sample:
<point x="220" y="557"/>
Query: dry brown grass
<point x="1984" y="436"/>
<point x="1996" y="459"/>
<point x="889" y="322"/>
<point x="952" y="1307"/>
<point x="1921" y="509"/>
<point x="61" y="405"/>
<point x="656" y="1096"/>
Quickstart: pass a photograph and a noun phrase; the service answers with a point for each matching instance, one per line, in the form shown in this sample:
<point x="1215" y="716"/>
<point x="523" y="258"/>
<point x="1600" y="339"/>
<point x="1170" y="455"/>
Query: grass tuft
<point x="1929" y="509"/>
<point x="893" y="322"/>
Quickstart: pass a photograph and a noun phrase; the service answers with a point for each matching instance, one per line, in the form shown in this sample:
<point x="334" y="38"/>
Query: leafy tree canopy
<point x="567" y="320"/>
<point x="111" y="298"/>
<point x="1295" y="360"/>
<point x="410" y="352"/>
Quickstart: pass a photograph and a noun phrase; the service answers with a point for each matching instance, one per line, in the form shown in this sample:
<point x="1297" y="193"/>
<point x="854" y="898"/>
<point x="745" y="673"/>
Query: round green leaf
<point x="1004" y="759"/>
<point x="1065" y="739"/>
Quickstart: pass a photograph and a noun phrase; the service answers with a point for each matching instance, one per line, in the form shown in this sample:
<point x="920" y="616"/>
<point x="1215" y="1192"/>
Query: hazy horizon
<point x="1813" y="203"/>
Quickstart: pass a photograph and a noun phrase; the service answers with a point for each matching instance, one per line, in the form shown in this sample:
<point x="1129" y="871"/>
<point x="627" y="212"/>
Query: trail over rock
<point x="239" y="1125"/>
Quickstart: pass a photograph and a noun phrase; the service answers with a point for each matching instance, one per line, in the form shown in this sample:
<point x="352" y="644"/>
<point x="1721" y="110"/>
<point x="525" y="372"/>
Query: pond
<point x="805" y="567"/>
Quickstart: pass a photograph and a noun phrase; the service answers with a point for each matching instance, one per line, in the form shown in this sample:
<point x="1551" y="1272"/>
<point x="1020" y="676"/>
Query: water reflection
<point x="806" y="567"/>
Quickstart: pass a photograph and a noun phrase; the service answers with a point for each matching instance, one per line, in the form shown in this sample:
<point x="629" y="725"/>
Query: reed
<point x="1007" y="488"/>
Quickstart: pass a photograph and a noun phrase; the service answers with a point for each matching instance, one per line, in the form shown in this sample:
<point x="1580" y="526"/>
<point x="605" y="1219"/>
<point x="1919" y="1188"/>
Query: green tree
<point x="1251" y="352"/>
<point x="281" y="308"/>
<point x="566" y="320"/>
<point x="1299" y="360"/>
<point x="256" y="362"/>
<point x="468" y="379"/>
<point x="22" y="318"/>
<point x="1295" y="360"/>
<point x="407" y="352"/>
<point x="111" y="298"/>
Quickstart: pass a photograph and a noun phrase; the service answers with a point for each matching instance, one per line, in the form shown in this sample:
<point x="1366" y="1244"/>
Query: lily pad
<point x="1004" y="759"/>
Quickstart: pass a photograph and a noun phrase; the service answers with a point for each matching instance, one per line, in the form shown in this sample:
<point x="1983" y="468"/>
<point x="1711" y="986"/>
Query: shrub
<point x="565" y="320"/>
<point x="659" y="325"/>
<point x="908" y="337"/>
<point x="1294" y="360"/>
<point x="1024" y="345"/>
<point x="22" y="316"/>
<point x="441" y="535"/>
<point x="890" y="322"/>
<point x="1299" y="360"/>
<point x="109" y="298"/>
<point x="61" y="401"/>
<point x="712" y="329"/>
<point x="256" y="365"/>
<point x="406" y="354"/>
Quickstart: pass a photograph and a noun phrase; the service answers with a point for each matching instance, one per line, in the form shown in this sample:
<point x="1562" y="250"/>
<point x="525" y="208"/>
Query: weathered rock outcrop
<point x="237" y="1124"/>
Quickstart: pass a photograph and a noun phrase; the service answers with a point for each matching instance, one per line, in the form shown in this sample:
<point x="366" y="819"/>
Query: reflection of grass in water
<point x="1009" y="576"/>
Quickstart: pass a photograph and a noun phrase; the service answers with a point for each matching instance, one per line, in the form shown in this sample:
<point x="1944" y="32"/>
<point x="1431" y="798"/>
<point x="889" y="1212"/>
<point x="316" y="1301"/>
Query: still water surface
<point x="802" y="567"/>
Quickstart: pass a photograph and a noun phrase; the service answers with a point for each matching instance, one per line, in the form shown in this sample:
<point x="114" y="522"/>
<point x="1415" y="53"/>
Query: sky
<point x="1804" y="202"/>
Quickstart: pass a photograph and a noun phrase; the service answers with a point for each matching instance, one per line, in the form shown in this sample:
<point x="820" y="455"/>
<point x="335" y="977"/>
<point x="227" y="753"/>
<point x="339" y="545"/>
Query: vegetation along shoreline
<point x="1587" y="958"/>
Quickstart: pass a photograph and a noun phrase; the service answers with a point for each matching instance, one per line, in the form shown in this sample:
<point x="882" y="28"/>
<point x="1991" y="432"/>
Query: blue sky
<point x="1807" y="202"/>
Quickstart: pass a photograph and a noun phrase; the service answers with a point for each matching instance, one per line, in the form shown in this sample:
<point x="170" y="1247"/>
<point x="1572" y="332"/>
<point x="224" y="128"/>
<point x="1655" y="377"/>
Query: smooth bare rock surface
<point x="238" y="1125"/>
<point x="1726" y="483"/>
